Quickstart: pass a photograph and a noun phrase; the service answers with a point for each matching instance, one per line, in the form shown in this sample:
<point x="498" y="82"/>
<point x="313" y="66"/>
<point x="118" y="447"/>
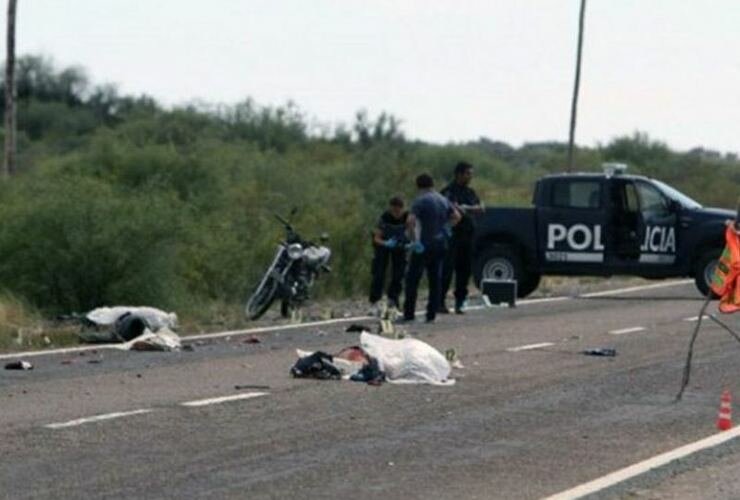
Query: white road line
<point x="624" y="331"/>
<point x="223" y="399"/>
<point x="636" y="288"/>
<point x="97" y="418"/>
<point x="545" y="300"/>
<point x="694" y="319"/>
<point x="646" y="465"/>
<point x="277" y="328"/>
<point x="529" y="347"/>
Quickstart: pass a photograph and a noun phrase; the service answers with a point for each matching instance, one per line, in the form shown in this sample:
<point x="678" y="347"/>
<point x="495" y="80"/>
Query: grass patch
<point x="22" y="328"/>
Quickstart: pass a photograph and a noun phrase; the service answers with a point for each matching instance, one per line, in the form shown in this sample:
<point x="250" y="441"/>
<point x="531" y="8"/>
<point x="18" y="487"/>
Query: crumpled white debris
<point x="155" y="318"/>
<point x="408" y="361"/>
<point x="163" y="339"/>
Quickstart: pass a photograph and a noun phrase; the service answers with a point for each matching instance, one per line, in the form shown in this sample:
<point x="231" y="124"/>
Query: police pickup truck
<point x="595" y="224"/>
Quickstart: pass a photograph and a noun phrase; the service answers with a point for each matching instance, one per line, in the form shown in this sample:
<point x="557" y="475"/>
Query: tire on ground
<point x="703" y="270"/>
<point x="504" y="262"/>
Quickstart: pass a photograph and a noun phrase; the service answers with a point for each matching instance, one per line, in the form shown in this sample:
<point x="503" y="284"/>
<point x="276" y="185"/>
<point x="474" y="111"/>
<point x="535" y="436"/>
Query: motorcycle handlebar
<point x="283" y="221"/>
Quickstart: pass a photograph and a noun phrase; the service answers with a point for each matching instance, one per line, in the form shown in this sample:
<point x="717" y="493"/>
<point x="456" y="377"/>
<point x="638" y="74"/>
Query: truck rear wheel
<point x="704" y="270"/>
<point x="502" y="262"/>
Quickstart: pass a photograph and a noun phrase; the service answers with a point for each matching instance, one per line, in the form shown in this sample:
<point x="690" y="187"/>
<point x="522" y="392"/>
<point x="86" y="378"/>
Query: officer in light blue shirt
<point x="429" y="221"/>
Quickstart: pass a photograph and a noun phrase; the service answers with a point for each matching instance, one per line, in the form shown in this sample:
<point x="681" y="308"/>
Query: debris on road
<point x="155" y="318"/>
<point x="404" y="361"/>
<point x="136" y="328"/>
<point x="408" y="361"/>
<point x="252" y="340"/>
<point x="163" y="339"/>
<point x="357" y="328"/>
<point x="452" y="357"/>
<point x="251" y="386"/>
<point x="19" y="365"/>
<point x="316" y="365"/>
<point x="602" y="351"/>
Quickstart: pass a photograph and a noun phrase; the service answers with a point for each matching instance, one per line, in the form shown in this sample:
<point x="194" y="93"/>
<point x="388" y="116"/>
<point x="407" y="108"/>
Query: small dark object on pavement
<point x="318" y="365"/>
<point x="249" y="386"/>
<point x="370" y="373"/>
<point x="252" y="340"/>
<point x="602" y="351"/>
<point x="356" y="328"/>
<point x="19" y="365"/>
<point x="188" y="347"/>
<point x="95" y="361"/>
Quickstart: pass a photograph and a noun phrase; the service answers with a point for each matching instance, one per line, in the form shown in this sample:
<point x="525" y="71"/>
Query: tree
<point x="576" y="87"/>
<point x="10" y="91"/>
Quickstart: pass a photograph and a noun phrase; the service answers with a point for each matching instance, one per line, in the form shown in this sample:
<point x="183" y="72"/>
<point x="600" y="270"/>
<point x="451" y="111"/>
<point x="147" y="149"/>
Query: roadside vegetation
<point x="119" y="200"/>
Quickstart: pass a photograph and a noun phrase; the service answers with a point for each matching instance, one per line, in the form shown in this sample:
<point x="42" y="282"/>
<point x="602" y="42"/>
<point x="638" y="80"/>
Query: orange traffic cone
<point x="724" y="421"/>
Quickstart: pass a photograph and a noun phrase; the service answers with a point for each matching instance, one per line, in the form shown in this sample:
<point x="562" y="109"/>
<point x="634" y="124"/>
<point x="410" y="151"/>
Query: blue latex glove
<point x="391" y="243"/>
<point x="416" y="247"/>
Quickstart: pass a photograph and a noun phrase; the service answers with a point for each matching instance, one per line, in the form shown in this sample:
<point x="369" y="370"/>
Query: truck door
<point x="625" y="227"/>
<point x="658" y="239"/>
<point x="570" y="226"/>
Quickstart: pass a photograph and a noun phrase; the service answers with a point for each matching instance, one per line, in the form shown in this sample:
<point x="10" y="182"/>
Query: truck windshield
<point x="678" y="196"/>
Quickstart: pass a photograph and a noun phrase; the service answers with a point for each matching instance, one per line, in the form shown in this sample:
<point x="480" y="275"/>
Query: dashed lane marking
<point x="694" y="319"/>
<point x="223" y="399"/>
<point x="646" y="465"/>
<point x="97" y="418"/>
<point x="625" y="331"/>
<point x="529" y="347"/>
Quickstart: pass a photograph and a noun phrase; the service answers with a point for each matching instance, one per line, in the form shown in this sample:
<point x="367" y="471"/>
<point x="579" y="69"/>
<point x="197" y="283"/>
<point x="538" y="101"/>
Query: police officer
<point x="389" y="241"/>
<point x="431" y="215"/>
<point x="460" y="253"/>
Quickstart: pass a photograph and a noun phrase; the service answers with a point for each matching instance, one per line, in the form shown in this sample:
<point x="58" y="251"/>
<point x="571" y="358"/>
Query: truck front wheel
<point x="704" y="270"/>
<point x="502" y="262"/>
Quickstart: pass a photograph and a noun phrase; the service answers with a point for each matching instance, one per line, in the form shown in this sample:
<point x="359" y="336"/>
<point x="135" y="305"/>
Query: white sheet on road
<point x="408" y="361"/>
<point x="156" y="318"/>
<point x="163" y="339"/>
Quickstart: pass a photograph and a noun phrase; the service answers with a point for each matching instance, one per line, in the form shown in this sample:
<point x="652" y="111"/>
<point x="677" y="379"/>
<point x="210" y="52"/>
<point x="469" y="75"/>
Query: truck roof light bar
<point x="612" y="168"/>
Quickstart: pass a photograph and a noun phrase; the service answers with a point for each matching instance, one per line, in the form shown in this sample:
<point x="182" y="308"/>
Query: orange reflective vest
<point x="726" y="279"/>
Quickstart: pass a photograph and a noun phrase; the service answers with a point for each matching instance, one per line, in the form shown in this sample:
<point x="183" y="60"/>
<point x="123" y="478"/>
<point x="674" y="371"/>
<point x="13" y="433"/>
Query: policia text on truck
<point x="600" y="225"/>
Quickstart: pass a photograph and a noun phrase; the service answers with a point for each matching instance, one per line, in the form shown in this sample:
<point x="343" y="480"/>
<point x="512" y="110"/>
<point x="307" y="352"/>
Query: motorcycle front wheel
<point x="262" y="298"/>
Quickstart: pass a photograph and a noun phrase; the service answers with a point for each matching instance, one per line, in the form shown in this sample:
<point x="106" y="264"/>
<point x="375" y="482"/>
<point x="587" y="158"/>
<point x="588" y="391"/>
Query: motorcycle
<point x="291" y="275"/>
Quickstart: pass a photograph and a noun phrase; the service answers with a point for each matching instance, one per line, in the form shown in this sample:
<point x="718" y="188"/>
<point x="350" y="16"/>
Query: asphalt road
<point x="521" y="422"/>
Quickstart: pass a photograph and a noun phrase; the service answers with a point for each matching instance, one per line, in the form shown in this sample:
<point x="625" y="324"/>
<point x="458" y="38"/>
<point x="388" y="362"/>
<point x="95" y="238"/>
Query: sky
<point x="450" y="70"/>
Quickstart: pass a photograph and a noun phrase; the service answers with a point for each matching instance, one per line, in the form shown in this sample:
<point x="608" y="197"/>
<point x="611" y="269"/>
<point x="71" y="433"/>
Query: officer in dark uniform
<point x="460" y="253"/>
<point x="389" y="242"/>
<point x="431" y="215"/>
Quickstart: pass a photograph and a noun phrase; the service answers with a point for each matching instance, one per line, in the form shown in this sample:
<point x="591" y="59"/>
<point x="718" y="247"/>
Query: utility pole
<point x="576" y="86"/>
<point x="10" y="93"/>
